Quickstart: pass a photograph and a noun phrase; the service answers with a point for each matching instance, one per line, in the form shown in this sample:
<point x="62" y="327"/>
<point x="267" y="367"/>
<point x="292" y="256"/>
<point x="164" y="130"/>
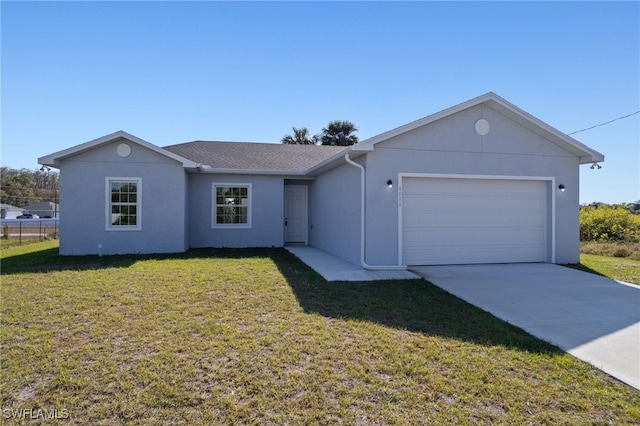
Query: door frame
<point x="305" y="218"/>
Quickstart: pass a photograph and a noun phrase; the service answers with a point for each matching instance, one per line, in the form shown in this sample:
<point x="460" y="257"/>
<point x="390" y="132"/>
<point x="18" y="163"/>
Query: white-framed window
<point x="231" y="205"/>
<point x="124" y="204"/>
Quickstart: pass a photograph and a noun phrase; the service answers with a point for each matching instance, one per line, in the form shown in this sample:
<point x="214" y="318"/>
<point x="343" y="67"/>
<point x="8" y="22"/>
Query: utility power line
<point x="602" y="124"/>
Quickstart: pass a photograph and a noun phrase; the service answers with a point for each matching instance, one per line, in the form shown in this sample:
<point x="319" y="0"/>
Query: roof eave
<point x="53" y="160"/>
<point x="227" y="171"/>
<point x="337" y="159"/>
<point x="495" y="102"/>
<point x="583" y="152"/>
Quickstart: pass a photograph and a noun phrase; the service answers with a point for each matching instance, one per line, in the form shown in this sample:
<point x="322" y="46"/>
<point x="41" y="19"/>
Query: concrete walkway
<point x="591" y="317"/>
<point x="333" y="268"/>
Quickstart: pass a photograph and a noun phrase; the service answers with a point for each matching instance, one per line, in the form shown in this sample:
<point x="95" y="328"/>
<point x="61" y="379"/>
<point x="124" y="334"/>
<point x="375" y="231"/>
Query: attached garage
<point x="479" y="182"/>
<point x="465" y="220"/>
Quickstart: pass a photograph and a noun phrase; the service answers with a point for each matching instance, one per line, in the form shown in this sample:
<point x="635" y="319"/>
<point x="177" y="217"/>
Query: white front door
<point x="295" y="214"/>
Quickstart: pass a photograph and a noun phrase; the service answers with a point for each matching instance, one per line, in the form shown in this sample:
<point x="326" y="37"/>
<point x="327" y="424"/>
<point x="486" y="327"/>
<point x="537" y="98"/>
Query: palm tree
<point x="300" y="137"/>
<point x="339" y="133"/>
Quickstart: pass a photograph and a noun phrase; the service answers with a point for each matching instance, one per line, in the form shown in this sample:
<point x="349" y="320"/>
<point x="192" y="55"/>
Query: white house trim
<point x="53" y="160"/>
<point x="493" y="101"/>
<point x="551" y="187"/>
<point x="247" y="225"/>
<point x="123" y="228"/>
<point x="363" y="227"/>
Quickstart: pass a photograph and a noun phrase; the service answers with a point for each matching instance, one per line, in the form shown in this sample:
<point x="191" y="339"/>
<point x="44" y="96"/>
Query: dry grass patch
<point x="254" y="336"/>
<point x="621" y="250"/>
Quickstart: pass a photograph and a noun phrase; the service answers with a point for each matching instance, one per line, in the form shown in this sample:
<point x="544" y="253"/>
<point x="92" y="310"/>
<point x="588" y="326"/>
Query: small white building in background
<point x="8" y="211"/>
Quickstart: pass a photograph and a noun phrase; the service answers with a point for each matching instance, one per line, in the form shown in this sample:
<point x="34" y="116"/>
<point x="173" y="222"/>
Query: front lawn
<point x="616" y="268"/>
<point x="256" y="337"/>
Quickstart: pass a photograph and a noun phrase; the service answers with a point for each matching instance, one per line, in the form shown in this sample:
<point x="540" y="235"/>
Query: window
<point x="231" y="205"/>
<point x="123" y="204"/>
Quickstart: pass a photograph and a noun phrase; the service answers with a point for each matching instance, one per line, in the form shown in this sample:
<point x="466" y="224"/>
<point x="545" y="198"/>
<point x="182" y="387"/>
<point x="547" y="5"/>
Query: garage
<point x="456" y="220"/>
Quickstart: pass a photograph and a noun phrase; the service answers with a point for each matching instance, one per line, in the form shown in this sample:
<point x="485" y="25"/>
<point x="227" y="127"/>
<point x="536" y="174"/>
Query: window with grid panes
<point x="232" y="205"/>
<point x="123" y="209"/>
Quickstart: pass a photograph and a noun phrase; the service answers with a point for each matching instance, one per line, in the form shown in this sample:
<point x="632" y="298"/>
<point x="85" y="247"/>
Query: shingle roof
<point x="254" y="156"/>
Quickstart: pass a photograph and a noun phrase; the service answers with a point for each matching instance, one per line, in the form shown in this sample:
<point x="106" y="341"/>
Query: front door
<point x="295" y="214"/>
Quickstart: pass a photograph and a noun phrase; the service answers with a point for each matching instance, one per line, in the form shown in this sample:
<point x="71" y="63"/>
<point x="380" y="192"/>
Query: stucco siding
<point x="451" y="146"/>
<point x="334" y="213"/>
<point x="83" y="202"/>
<point x="267" y="212"/>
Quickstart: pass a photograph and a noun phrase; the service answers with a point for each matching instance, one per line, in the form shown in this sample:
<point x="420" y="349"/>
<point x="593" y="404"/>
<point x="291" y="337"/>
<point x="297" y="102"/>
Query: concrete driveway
<point x="591" y="317"/>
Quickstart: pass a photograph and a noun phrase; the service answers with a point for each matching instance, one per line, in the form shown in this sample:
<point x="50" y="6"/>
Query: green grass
<point x="256" y="337"/>
<point x="617" y="268"/>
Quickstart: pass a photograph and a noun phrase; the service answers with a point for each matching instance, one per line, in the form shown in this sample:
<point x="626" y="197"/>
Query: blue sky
<point x="172" y="72"/>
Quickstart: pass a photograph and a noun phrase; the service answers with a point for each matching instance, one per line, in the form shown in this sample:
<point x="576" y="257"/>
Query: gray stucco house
<point x="480" y="182"/>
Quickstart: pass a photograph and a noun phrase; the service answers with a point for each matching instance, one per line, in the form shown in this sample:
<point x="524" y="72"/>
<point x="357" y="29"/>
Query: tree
<point x="22" y="187"/>
<point x="17" y="190"/>
<point x="300" y="137"/>
<point x="634" y="207"/>
<point x="339" y="133"/>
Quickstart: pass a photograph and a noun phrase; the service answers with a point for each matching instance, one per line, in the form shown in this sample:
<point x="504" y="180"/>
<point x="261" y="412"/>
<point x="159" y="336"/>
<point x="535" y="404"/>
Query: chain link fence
<point x="29" y="229"/>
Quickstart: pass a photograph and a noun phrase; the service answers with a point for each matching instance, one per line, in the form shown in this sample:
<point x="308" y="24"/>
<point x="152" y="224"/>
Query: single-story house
<point x="480" y="182"/>
<point x="44" y="209"/>
<point x="8" y="211"/>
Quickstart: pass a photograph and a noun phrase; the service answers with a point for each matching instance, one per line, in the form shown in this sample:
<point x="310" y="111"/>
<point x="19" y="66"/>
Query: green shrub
<point x="606" y="223"/>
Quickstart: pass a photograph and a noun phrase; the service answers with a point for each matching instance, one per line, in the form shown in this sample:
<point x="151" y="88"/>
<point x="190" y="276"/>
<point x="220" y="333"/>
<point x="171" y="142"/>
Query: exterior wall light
<point x="561" y="187"/>
<point x="390" y="183"/>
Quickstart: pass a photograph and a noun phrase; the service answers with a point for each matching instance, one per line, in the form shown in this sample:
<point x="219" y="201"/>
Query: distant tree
<point x="20" y="187"/>
<point x="300" y="137"/>
<point x="634" y="207"/>
<point x="339" y="133"/>
<point x="17" y="190"/>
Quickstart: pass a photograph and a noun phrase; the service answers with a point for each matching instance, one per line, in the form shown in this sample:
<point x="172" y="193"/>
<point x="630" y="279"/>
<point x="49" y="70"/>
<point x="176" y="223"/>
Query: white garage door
<point x="460" y="221"/>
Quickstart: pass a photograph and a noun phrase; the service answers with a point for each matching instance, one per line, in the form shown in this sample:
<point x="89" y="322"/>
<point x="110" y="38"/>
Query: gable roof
<point x="312" y="160"/>
<point x="53" y="160"/>
<point x="254" y="157"/>
<point x="495" y="102"/>
<point x="10" y="207"/>
<point x="42" y="205"/>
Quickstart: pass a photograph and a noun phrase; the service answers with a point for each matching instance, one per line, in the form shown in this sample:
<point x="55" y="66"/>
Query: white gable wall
<point x="83" y="202"/>
<point x="451" y="146"/>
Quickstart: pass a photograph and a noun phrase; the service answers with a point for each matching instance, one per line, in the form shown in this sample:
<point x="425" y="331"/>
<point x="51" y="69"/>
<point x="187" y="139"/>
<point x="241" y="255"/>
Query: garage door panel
<point x="476" y="203"/>
<point x="474" y="255"/>
<point x="477" y="237"/>
<point x="481" y="188"/>
<point x="449" y="221"/>
<point x="414" y="221"/>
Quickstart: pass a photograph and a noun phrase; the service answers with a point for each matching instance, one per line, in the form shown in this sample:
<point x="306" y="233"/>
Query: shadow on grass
<point x="413" y="305"/>
<point x="581" y="267"/>
<point x="48" y="260"/>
